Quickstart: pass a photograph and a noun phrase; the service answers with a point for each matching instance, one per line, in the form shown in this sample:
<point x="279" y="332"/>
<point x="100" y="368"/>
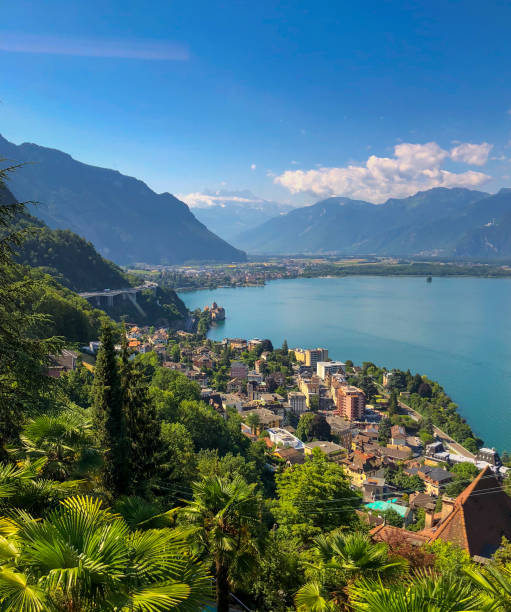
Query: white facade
<point x="286" y="439"/>
<point x="324" y="368"/>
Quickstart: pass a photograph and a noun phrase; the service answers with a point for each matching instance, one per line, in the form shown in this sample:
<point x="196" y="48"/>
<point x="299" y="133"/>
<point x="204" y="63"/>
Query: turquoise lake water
<point x="455" y="330"/>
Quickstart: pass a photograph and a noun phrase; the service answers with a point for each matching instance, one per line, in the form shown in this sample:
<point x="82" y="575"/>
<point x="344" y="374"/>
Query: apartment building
<point x="350" y="402"/>
<point x="297" y="402"/>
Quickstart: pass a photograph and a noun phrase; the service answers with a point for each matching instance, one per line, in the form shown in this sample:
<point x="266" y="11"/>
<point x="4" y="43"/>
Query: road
<point x="446" y="440"/>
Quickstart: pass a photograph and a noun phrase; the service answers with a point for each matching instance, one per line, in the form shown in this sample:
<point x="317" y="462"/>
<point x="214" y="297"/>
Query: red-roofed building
<point x="475" y="521"/>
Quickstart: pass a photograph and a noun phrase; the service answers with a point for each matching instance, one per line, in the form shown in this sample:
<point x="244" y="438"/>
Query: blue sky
<point x="294" y="100"/>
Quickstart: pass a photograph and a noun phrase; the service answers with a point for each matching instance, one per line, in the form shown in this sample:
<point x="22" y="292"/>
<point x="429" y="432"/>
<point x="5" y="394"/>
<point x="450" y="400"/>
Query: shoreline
<point x="331" y="276"/>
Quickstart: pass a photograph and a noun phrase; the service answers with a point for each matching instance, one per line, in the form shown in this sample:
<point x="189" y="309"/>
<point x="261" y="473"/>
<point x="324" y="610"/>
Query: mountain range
<point x="440" y="222"/>
<point x="125" y="220"/>
<point x="230" y="213"/>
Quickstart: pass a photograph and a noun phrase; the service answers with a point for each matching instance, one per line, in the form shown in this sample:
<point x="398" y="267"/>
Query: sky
<point x="292" y="100"/>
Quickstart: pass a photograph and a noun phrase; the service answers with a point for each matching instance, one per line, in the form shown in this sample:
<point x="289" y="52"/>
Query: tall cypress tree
<point x="145" y="449"/>
<point x="109" y="418"/>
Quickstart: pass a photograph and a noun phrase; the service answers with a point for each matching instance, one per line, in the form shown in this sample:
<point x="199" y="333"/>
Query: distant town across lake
<point x="455" y="330"/>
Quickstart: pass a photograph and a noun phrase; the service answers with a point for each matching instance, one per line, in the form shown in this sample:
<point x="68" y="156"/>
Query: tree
<point x="84" y="557"/>
<point x="65" y="440"/>
<point x="24" y="357"/>
<point x="464" y="473"/>
<point x="314" y="497"/>
<point x="424" y="390"/>
<point x="393" y="403"/>
<point x="342" y="559"/>
<point x="384" y="431"/>
<point x="278" y="575"/>
<point x="77" y="385"/>
<point x="392" y="517"/>
<point x="494" y="585"/>
<point x="182" y="462"/>
<point x="415" y="383"/>
<point x="146" y="449"/>
<point x="108" y="414"/>
<point x="398" y="380"/>
<point x="419" y="593"/>
<point x="368" y="387"/>
<point x="285" y="348"/>
<point x="180" y="385"/>
<point x="175" y="353"/>
<point x="224" y="514"/>
<point x="266" y="346"/>
<point x="304" y="429"/>
<point x="253" y="421"/>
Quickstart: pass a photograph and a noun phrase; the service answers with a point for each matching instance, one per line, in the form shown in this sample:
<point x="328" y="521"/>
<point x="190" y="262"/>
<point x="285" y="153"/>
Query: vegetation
<point x="121" y="490"/>
<point x="423" y="395"/>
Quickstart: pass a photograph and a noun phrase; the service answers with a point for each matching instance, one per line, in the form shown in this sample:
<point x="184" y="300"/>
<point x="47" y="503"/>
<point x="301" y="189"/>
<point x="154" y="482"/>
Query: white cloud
<point x="474" y="154"/>
<point x="206" y="200"/>
<point x="414" y="167"/>
<point x="92" y="47"/>
<point x="253" y="166"/>
<point x="295" y="163"/>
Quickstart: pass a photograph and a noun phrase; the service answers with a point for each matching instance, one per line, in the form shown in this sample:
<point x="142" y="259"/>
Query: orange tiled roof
<point x="480" y="517"/>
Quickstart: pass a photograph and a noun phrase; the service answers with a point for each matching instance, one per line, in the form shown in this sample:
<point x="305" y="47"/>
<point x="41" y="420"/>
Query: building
<point x="254" y="376"/>
<point x="360" y="466"/>
<point x="254" y="343"/>
<point x="374" y="488"/>
<point x="310" y="357"/>
<point x="281" y="437"/>
<point x="299" y="355"/>
<point x="64" y="362"/>
<point x="387" y="377"/>
<point x="297" y="402"/>
<point x="434" y="478"/>
<point x="350" y="402"/>
<point x="291" y="456"/>
<point x="477" y="519"/>
<point x="489" y="455"/>
<point x="202" y="361"/>
<point x="239" y="370"/>
<point x="341" y="429"/>
<point x="267" y="419"/>
<point x="217" y="312"/>
<point x="237" y="344"/>
<point x="327" y="368"/>
<point x="330" y="449"/>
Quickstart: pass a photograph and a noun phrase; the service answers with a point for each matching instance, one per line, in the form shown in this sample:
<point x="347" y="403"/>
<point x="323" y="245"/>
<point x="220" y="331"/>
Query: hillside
<point x="120" y="215"/>
<point x="439" y="222"/>
<point x="66" y="264"/>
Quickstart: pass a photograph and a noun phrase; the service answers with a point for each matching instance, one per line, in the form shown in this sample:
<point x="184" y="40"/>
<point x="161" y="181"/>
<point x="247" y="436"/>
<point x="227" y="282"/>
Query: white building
<point x="282" y="437"/>
<point x="326" y="368"/>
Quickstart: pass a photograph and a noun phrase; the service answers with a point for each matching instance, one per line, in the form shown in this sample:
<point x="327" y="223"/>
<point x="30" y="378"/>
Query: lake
<point x="455" y="330"/>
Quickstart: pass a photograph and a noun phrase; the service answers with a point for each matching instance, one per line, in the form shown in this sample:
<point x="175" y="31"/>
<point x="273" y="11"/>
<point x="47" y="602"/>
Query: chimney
<point x="429" y="517"/>
<point x="447" y="506"/>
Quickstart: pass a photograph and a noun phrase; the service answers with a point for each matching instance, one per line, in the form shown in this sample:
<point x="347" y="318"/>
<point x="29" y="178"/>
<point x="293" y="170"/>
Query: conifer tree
<point x="109" y="419"/>
<point x="285" y="348"/>
<point x="24" y="356"/>
<point x="145" y="449"/>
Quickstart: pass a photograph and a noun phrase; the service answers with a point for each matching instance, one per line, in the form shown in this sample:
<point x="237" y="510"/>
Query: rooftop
<point x="326" y="447"/>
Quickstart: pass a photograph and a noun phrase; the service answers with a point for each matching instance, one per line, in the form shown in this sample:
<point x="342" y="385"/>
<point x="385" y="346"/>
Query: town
<point x="417" y="476"/>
